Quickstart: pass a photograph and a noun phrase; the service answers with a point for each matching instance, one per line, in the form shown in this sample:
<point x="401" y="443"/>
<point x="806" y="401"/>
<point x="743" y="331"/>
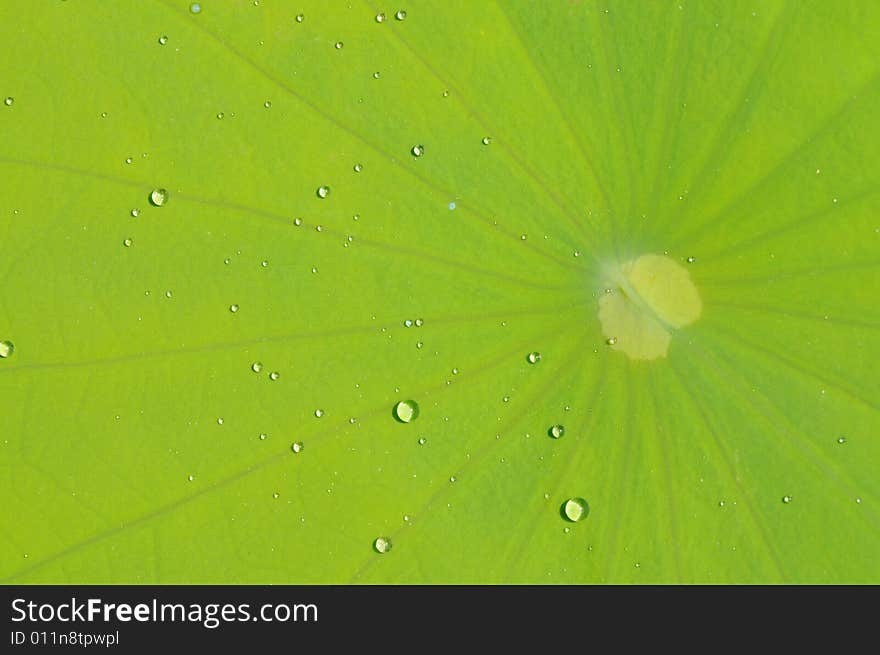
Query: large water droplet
<point x="323" y="191"/>
<point x="400" y="15"/>
<point x="382" y="545"/>
<point x="6" y="349"/>
<point x="534" y="357"/>
<point x="158" y="197"/>
<point x="556" y="431"/>
<point x="406" y="411"/>
<point x="575" y="509"/>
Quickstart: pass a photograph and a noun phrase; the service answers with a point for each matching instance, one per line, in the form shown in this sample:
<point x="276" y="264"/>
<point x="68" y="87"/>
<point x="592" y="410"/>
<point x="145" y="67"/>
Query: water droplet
<point x="575" y="509"/>
<point x="380" y="18"/>
<point x="376" y="75"/>
<point x="8" y="101"/>
<point x="227" y="261"/>
<point x="233" y="308"/>
<point x="451" y="206"/>
<point x="611" y="341"/>
<point x="300" y="18"/>
<point x="691" y="260"/>
<point x="338" y="45"/>
<point x="577" y="253"/>
<point x="128" y="160"/>
<point x="419" y="322"/>
<point x="323" y="191"/>
<point x="297" y="446"/>
<point x="191" y="478"/>
<point x="534" y="357"/>
<point x="219" y="115"/>
<point x="274" y="375"/>
<point x="358" y="168"/>
<point x="314" y="269"/>
<point x="318" y="228"/>
<point x="158" y="197"/>
<point x="163" y="40"/>
<point x="263" y="436"/>
<point x="382" y="545"/>
<point x="168" y="293"/>
<point x="219" y="421"/>
<point x="422" y="441"/>
<point x="487" y="140"/>
<point x="127" y="243"/>
<point x="556" y="431"/>
<point x="786" y="499"/>
<point x="418" y="151"/>
<point x="400" y="15"/>
<point x="406" y="411"/>
<point x="6" y="349"/>
<point x="135" y="213"/>
<point x="455" y="371"/>
<point x="419" y="344"/>
<point x="319" y="413"/>
<point x="267" y="104"/>
<point x="523" y="237"/>
<point x="841" y="440"/>
<point x="297" y="221"/>
<point x="275" y="495"/>
<point x="446" y="94"/>
<point x="195" y="8"/>
<point x="264" y="263"/>
<point x="452" y="478"/>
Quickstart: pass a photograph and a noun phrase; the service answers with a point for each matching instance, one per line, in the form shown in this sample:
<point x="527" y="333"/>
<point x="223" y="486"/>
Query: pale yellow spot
<point x="650" y="297"/>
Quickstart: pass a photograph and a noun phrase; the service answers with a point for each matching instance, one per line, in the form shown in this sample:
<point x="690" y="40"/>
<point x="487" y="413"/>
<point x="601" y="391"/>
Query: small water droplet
<point x="380" y="18"/>
<point x="158" y="197"/>
<point x="841" y="440"/>
<point x="786" y="499"/>
<point x="721" y="503"/>
<point x="263" y="436"/>
<point x="487" y="140"/>
<point x="556" y="431"/>
<point x="275" y="495"/>
<point x="407" y="323"/>
<point x="406" y="411"/>
<point x="297" y="221"/>
<point x="300" y="18"/>
<point x="451" y="206"/>
<point x="577" y="253"/>
<point x="195" y="8"/>
<point x="219" y="115"/>
<point x="523" y="237"/>
<point x="6" y="349"/>
<point x="455" y="371"/>
<point x="382" y="545"/>
<point x="400" y="15"/>
<point x="323" y="191"/>
<point x="611" y="341"/>
<point x="534" y="357"/>
<point x="419" y="344"/>
<point x="418" y="150"/>
<point x="219" y="421"/>
<point x="297" y="446"/>
<point x="319" y="413"/>
<point x="169" y="293"/>
<point x="127" y="243"/>
<point x="376" y="75"/>
<point x="419" y="322"/>
<point x="691" y="260"/>
<point x="274" y="375"/>
<point x="575" y="509"/>
<point x="358" y="168"/>
<point x="233" y="308"/>
<point x="191" y="478"/>
<point x="314" y="269"/>
<point x="267" y="104"/>
<point x="422" y="441"/>
<point x="163" y="40"/>
<point x="8" y="101"/>
<point x="338" y="45"/>
<point x="452" y="478"/>
<point x="135" y="213"/>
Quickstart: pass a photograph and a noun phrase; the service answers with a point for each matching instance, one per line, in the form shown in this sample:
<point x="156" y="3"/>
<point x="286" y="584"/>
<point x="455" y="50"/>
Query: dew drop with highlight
<point x="323" y="191"/>
<point x="158" y="197"/>
<point x="557" y="431"/>
<point x="6" y="349"/>
<point x="534" y="357"/>
<point x="382" y="545"/>
<point x="406" y="411"/>
<point x="297" y="446"/>
<point x="575" y="509"/>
